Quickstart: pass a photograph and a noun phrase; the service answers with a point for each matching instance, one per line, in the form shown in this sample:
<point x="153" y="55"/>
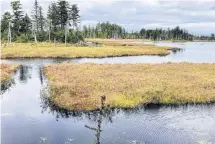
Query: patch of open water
<point x="28" y="118"/>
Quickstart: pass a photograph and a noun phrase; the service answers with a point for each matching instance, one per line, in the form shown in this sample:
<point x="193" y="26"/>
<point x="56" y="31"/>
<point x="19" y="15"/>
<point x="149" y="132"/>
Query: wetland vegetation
<point x="6" y="76"/>
<point x="47" y="50"/>
<point x="78" y="86"/>
<point x="7" y="71"/>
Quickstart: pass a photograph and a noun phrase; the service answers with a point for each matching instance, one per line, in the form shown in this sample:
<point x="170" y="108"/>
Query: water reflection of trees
<point x="107" y="112"/>
<point x="177" y="50"/>
<point x="23" y="76"/>
<point x="24" y="73"/>
<point x="41" y="76"/>
<point x="48" y="106"/>
<point x="6" y="86"/>
<point x="104" y="113"/>
<point x="98" y="129"/>
<point x="98" y="115"/>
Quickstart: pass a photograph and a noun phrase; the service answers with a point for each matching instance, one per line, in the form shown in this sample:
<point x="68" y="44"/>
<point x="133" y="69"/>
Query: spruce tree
<point x="6" y="18"/>
<point x="74" y="16"/>
<point x="35" y="15"/>
<point x="41" y="20"/>
<point x="63" y="13"/>
<point x="26" y="24"/>
<point x="53" y="16"/>
<point x="17" y="15"/>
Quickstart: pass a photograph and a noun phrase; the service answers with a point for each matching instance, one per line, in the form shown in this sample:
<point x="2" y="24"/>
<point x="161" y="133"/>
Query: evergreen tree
<point x="63" y="13"/>
<point x="6" y="18"/>
<point x="17" y="15"/>
<point x="212" y="36"/>
<point x="25" y="30"/>
<point x="74" y="16"/>
<point x="41" y="20"/>
<point x="5" y="23"/>
<point x="26" y="25"/>
<point x="104" y="30"/>
<point x="53" y="16"/>
<point x="35" y="15"/>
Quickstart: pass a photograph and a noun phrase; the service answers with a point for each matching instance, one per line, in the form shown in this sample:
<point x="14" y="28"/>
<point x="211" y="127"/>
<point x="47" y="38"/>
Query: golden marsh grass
<point x="138" y="43"/>
<point x="7" y="72"/>
<point x="79" y="86"/>
<point x="47" y="50"/>
<point x="121" y="42"/>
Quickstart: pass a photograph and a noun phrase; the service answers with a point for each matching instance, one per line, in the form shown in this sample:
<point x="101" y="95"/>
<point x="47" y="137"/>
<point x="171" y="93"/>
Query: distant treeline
<point x="108" y="30"/>
<point x="62" y="24"/>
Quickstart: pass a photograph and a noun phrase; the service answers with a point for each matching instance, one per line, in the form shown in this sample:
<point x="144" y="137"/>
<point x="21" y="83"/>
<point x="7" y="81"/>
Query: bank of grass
<point x="7" y="72"/>
<point x="129" y="43"/>
<point x="79" y="86"/>
<point x="120" y="42"/>
<point x="48" y="50"/>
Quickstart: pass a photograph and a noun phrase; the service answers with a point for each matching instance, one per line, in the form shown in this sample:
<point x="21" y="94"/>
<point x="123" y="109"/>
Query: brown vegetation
<point x="79" y="86"/>
<point x="6" y="72"/>
<point x="47" y="50"/>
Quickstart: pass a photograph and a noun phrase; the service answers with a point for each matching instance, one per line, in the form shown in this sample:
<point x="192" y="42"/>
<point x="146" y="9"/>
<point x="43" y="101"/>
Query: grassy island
<point x="7" y="72"/>
<point x="79" y="86"/>
<point x="48" y="50"/>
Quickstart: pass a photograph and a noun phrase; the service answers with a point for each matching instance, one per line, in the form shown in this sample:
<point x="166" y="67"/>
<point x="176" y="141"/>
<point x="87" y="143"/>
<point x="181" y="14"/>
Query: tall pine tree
<point x="17" y="15"/>
<point x="41" y="20"/>
<point x="26" y="25"/>
<point x="63" y="13"/>
<point x="53" y="16"/>
<point x="35" y="15"/>
<point x="74" y="16"/>
<point x="6" y="17"/>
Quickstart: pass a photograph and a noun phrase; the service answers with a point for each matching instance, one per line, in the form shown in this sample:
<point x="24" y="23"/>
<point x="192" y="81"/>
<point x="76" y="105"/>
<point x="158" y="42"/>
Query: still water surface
<point x="28" y="118"/>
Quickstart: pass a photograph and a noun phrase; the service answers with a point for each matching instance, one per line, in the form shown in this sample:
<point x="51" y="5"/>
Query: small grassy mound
<point x="121" y="42"/>
<point x="79" y="86"/>
<point x="7" y="72"/>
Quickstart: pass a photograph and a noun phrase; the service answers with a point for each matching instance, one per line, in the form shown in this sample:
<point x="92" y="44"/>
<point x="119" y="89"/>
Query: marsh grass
<point x="79" y="86"/>
<point x="7" y="72"/>
<point x="121" y="42"/>
<point x="138" y="43"/>
<point x="47" y="50"/>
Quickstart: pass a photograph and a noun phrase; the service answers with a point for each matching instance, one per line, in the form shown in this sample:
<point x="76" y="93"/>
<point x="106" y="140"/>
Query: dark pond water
<point x="27" y="117"/>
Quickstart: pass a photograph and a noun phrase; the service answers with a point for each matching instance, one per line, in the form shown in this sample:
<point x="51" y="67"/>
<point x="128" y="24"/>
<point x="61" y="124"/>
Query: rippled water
<point x="27" y="117"/>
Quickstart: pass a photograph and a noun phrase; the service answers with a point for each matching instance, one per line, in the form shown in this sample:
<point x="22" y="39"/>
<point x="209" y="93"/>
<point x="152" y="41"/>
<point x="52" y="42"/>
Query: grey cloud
<point x="134" y="15"/>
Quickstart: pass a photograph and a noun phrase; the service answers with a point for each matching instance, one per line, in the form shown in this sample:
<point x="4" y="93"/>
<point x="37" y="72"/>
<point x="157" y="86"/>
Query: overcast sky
<point x="198" y="16"/>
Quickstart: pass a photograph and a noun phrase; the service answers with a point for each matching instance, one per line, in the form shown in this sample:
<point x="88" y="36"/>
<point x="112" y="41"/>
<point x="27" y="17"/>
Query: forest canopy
<point x="61" y="23"/>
